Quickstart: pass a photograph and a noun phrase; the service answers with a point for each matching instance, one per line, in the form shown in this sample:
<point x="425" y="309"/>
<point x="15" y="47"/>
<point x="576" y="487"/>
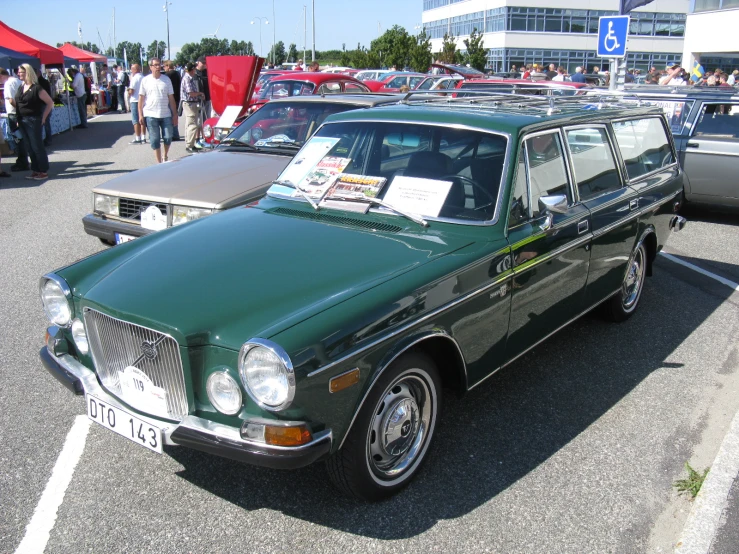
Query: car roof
<point x="363" y="100"/>
<point x="524" y="82"/>
<point x="314" y="77"/>
<point x="503" y="113"/>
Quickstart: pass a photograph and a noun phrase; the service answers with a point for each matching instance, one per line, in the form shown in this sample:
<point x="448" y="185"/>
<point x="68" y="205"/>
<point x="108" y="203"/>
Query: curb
<point x="702" y="523"/>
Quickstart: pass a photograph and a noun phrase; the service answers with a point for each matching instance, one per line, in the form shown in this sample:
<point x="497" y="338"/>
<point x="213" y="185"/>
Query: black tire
<point x="623" y="304"/>
<point x="107" y="242"/>
<point x="406" y="403"/>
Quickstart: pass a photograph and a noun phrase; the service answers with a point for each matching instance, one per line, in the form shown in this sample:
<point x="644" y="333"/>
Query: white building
<point x="562" y="32"/>
<point x="711" y="35"/>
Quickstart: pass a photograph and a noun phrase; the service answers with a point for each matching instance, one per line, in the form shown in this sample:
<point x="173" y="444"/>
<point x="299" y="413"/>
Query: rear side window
<point x="677" y="112"/>
<point x="719" y="121"/>
<point x="592" y="161"/>
<point x="644" y="146"/>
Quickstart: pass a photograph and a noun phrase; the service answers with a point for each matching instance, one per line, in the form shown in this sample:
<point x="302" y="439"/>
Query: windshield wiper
<point x="282" y="141"/>
<point x="303" y="193"/>
<point x="232" y="141"/>
<point x="415" y="218"/>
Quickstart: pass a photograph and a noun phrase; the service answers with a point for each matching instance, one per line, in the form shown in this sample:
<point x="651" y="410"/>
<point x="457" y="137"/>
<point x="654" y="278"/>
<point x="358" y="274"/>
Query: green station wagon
<point x="406" y="251"/>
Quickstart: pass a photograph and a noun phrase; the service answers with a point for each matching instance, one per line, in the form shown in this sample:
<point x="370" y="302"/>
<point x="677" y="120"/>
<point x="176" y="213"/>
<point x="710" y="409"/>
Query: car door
<point x="550" y="250"/>
<point x="600" y="188"/>
<point x="712" y="154"/>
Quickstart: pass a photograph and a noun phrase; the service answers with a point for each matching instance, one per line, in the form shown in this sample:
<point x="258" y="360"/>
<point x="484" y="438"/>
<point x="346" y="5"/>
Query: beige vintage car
<point x="235" y="173"/>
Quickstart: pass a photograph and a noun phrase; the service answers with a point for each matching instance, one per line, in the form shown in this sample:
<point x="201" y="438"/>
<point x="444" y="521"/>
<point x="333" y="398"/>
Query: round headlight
<point x="56" y="302"/>
<point x="224" y="393"/>
<point x="79" y="336"/>
<point x="207" y="131"/>
<point x="267" y="374"/>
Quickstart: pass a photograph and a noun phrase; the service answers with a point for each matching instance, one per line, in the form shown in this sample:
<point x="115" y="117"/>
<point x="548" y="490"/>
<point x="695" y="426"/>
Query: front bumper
<point x="105" y="228"/>
<point x="194" y="432"/>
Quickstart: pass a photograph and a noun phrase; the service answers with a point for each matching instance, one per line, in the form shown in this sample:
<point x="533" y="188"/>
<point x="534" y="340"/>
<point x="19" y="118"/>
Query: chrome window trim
<point x="501" y="188"/>
<point x="432" y="334"/>
<point x="652" y="173"/>
<point x="713" y="153"/>
<point x="503" y="277"/>
<point x="565" y="157"/>
<point x="282" y="355"/>
<point x="616" y="158"/>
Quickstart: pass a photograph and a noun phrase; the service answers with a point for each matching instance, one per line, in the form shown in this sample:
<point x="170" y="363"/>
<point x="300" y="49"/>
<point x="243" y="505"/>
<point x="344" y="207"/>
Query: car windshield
<point x="280" y="89"/>
<point x="432" y="171"/>
<point x="284" y="124"/>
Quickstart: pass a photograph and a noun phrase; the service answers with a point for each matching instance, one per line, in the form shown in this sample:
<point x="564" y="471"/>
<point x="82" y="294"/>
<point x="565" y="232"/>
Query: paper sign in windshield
<point x="355" y="187"/>
<point x="320" y="178"/>
<point x="418" y="196"/>
<point x="307" y="159"/>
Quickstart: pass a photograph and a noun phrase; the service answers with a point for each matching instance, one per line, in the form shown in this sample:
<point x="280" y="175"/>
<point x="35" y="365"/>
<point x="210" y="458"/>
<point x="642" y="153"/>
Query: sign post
<point x="612" y="34"/>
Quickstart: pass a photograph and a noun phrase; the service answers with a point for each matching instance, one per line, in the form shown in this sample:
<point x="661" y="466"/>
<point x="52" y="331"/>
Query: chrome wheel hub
<point x="634" y="279"/>
<point x="399" y="427"/>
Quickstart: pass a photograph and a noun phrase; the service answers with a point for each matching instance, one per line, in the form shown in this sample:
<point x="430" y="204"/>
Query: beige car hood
<point x="217" y="179"/>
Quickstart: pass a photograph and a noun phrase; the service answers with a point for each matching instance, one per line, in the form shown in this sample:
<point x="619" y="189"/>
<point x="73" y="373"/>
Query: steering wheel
<point x="467" y="181"/>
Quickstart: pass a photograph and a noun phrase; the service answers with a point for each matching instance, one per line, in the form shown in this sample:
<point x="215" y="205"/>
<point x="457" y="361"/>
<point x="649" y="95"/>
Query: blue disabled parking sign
<point x="612" y="33"/>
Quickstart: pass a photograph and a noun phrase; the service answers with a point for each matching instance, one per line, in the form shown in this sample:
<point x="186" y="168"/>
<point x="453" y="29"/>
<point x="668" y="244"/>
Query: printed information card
<point x="418" y="196"/>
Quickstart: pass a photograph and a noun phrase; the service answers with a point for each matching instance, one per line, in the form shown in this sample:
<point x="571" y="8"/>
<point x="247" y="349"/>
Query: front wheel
<point x="390" y="438"/>
<point x="623" y="304"/>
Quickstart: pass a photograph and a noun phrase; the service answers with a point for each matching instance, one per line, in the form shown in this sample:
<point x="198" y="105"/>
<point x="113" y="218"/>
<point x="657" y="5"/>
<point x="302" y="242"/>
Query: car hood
<point x="212" y="180"/>
<point x="250" y="272"/>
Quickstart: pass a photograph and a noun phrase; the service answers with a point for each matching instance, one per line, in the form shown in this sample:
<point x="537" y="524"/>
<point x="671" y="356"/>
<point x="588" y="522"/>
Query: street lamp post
<point x="166" y="11"/>
<point x="266" y="22"/>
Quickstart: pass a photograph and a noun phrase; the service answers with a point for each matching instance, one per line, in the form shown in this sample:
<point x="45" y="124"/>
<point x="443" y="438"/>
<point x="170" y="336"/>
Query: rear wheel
<point x="390" y="437"/>
<point x="624" y="303"/>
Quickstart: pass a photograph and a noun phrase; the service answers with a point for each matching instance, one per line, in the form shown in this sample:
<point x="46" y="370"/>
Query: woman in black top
<point x="33" y="106"/>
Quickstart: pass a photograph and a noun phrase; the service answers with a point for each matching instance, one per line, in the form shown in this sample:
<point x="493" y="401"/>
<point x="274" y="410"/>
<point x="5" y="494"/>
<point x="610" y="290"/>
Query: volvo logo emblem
<point x="405" y="429"/>
<point x="149" y="349"/>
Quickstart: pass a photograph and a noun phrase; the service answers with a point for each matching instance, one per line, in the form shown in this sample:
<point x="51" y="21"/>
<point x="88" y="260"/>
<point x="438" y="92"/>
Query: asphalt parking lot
<point x="573" y="448"/>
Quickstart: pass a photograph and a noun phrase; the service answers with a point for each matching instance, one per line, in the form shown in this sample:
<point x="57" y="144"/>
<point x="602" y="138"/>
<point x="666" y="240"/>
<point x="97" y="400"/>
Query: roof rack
<point x="483" y="100"/>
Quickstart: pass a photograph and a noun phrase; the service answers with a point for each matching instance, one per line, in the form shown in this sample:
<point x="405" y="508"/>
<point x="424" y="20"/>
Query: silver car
<point x="235" y="173"/>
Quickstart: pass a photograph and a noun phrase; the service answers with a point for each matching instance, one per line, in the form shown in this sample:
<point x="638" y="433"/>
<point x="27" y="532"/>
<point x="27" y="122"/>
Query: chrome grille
<point x="130" y="208"/>
<point x="117" y="344"/>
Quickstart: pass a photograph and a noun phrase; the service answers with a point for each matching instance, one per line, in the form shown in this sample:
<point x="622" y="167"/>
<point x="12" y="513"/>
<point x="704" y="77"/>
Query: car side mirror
<point x="550" y="205"/>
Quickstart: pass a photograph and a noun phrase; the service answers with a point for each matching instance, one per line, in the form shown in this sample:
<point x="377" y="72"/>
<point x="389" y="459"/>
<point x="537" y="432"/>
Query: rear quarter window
<point x="644" y="145"/>
<point x="719" y="121"/>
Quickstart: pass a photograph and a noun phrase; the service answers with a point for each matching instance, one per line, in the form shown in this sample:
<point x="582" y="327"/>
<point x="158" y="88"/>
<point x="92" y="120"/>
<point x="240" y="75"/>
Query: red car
<point x="266" y="76"/>
<point x="296" y="83"/>
<point x="394" y="81"/>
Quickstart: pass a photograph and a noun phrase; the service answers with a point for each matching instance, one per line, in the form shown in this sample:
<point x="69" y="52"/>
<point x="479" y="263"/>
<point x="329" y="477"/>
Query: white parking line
<point x="730" y="284"/>
<point x="42" y="522"/>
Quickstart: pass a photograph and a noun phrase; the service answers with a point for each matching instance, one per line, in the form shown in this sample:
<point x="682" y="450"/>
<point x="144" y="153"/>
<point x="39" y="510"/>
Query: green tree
<point x="421" y="52"/>
<point x="448" y="52"/>
<point x="155" y="50"/>
<point x="89" y="46"/>
<point x="476" y="54"/>
<point x="279" y="53"/>
<point x="393" y="47"/>
<point x="292" y="53"/>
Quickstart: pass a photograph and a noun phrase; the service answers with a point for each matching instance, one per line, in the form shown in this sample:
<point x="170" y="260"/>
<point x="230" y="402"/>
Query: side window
<point x="719" y="121"/>
<point x="547" y="173"/>
<point x="415" y="81"/>
<point x="644" y="146"/>
<point x="396" y="83"/>
<point x="353" y="88"/>
<point x="329" y="88"/>
<point x="592" y="161"/>
<point x="520" y="200"/>
<point x="677" y="112"/>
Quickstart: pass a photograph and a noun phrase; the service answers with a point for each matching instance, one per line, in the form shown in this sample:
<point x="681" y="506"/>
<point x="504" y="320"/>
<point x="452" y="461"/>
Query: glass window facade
<point x="553" y="20"/>
<point x="710" y="5"/>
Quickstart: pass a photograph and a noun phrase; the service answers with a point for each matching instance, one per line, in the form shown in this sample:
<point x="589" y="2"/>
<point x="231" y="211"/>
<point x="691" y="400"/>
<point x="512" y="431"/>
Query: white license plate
<point x="125" y="424"/>
<point x="120" y="239"/>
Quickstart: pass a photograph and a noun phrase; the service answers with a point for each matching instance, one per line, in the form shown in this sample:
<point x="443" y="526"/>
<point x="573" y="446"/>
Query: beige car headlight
<point x="56" y="299"/>
<point x="106" y="204"/>
<point x="183" y="214"/>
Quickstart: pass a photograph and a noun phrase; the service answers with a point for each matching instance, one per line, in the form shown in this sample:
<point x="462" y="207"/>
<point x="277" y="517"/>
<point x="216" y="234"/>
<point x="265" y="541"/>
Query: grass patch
<point x="692" y="485"/>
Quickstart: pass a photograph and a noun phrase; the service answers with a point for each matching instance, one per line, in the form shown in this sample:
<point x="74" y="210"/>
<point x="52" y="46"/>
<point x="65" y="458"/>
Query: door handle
<point x="582" y="226"/>
<point x="694" y="144"/>
<point x="634" y="204"/>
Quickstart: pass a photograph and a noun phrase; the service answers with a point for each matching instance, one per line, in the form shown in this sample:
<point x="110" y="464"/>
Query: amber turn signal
<point x="287" y="436"/>
<point x="343" y="381"/>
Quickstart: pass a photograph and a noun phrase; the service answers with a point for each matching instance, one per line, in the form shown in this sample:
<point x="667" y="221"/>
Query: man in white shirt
<point x="78" y="86"/>
<point x="561" y="75"/>
<point x="157" y="105"/>
<point x="10" y="86"/>
<point x="133" y="96"/>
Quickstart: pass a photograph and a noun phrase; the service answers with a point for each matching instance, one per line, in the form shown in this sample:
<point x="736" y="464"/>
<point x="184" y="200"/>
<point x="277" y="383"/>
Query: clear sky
<point x="337" y="21"/>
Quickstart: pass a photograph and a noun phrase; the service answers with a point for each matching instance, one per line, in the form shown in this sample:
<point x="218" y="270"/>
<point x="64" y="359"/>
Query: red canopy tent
<point x="83" y="56"/>
<point x="10" y="38"/>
